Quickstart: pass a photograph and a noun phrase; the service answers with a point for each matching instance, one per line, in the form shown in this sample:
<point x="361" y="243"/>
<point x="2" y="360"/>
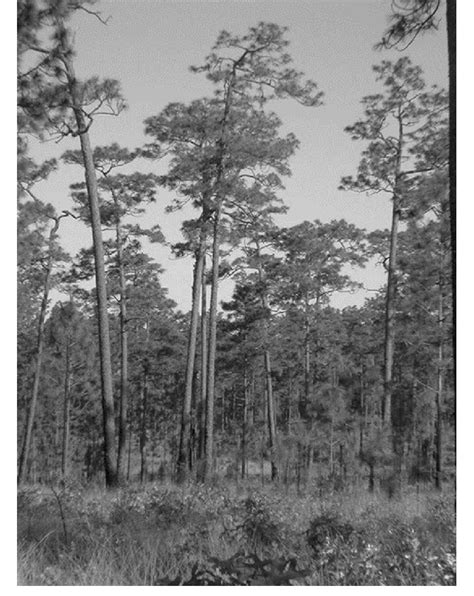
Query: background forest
<point x="273" y="383"/>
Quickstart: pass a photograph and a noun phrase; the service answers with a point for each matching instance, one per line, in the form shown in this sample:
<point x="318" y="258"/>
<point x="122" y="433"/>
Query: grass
<point x="224" y="535"/>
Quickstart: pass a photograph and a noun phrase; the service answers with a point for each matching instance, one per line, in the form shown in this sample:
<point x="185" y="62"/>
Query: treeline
<point x="117" y="379"/>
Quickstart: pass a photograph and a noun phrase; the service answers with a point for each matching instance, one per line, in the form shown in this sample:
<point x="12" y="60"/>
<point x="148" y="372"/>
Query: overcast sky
<point x="148" y="45"/>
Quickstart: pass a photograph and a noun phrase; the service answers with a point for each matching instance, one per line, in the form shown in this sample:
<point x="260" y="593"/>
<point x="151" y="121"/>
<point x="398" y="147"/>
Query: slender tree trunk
<point x="66" y="414"/>
<point x="185" y="428"/>
<point x="303" y="406"/>
<point x="202" y="419"/>
<point x="391" y="288"/>
<point x="219" y="199"/>
<point x="439" y="400"/>
<point x="244" y="423"/>
<point x="143" y="437"/>
<point x="123" y="430"/>
<point x="331" y="447"/>
<point x="371" y="477"/>
<point x="361" y="416"/>
<point x="271" y="414"/>
<point x="110" y="457"/>
<point x="144" y="416"/>
<point x="211" y="356"/>
<point x="22" y="468"/>
<point x="129" y="456"/>
<point x="451" y="30"/>
<point x="272" y="436"/>
<point x="390" y="318"/>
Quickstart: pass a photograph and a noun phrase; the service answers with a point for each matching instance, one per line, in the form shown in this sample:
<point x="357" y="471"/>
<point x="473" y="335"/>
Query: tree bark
<point x="303" y="405"/>
<point x="185" y="428"/>
<point x="203" y="388"/>
<point x="211" y="356"/>
<point x="389" y="318"/>
<point x="144" y="414"/>
<point x="391" y="287"/>
<point x="439" y="400"/>
<point x="451" y="32"/>
<point x="219" y="199"/>
<point x="110" y="458"/>
<point x="66" y="415"/>
<point x="271" y="415"/>
<point x="123" y="429"/>
<point x="243" y="467"/>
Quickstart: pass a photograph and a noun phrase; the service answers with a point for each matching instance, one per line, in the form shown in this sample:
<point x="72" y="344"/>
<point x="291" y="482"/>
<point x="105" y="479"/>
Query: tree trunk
<point x="144" y="408"/>
<point x="202" y="408"/>
<point x="185" y="428"/>
<point x="271" y="415"/>
<point x="362" y="416"/>
<point x="391" y="288"/>
<point x="123" y="430"/>
<point x="39" y="357"/>
<point x="272" y="436"/>
<point x="211" y="356"/>
<point x="129" y="456"/>
<point x="303" y="405"/>
<point x="66" y="414"/>
<point x="244" y="424"/>
<point x="389" y="318"/>
<point x="219" y="199"/>
<point x="451" y="30"/>
<point x="439" y="400"/>
<point x="110" y="458"/>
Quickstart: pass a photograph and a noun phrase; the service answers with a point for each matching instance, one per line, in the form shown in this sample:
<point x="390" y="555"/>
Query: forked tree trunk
<point x="185" y="428"/>
<point x="219" y="199"/>
<point x="110" y="457"/>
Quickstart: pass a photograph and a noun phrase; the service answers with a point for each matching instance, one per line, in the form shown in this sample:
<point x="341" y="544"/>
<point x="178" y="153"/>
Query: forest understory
<point x="232" y="534"/>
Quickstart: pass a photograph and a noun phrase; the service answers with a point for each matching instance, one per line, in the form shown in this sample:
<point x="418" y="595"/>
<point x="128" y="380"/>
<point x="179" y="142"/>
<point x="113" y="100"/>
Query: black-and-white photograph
<point x="236" y="322"/>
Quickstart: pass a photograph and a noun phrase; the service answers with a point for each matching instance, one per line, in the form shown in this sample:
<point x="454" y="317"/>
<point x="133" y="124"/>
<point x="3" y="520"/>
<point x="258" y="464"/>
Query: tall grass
<point x="163" y="534"/>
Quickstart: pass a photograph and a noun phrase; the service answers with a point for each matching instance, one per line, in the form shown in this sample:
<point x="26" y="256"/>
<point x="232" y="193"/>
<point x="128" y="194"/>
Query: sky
<point x="148" y="45"/>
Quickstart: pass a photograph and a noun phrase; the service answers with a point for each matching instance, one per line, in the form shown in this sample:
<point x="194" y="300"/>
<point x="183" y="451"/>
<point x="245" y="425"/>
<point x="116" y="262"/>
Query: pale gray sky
<point x="149" y="45"/>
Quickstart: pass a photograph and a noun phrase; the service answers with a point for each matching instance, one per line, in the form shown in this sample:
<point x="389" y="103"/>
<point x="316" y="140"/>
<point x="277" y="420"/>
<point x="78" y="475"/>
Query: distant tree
<point x="398" y="127"/>
<point x="315" y="255"/>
